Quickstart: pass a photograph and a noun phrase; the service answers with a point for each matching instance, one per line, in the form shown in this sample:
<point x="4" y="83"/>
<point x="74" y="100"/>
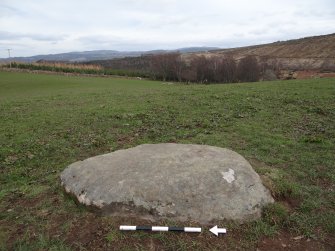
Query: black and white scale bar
<point x="162" y="229"/>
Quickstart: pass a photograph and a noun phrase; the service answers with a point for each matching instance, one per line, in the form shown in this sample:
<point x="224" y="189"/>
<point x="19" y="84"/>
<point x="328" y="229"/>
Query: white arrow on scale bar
<point x="215" y="230"/>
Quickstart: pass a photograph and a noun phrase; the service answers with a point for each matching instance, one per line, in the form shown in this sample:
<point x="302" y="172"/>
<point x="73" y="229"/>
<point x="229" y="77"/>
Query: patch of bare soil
<point x="285" y="241"/>
<point x="93" y="232"/>
<point x="313" y="74"/>
<point x="327" y="75"/>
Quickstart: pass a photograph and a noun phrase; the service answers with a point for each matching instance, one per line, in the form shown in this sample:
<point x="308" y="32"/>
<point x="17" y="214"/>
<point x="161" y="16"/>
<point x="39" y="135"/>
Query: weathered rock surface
<point x="176" y="181"/>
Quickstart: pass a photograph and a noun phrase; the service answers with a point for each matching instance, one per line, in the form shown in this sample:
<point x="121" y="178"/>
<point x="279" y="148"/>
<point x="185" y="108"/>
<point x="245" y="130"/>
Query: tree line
<point x="197" y="69"/>
<point x="202" y="69"/>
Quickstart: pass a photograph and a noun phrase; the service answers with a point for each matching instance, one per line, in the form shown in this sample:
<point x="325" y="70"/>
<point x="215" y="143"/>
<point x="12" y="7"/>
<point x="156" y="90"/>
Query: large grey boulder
<point x="175" y="181"/>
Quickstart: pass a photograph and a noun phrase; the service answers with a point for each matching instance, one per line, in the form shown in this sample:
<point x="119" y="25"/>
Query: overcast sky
<point x="31" y="27"/>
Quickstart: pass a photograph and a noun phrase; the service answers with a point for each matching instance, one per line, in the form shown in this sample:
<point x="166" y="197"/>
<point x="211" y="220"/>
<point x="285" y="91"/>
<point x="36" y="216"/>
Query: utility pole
<point x="10" y="62"/>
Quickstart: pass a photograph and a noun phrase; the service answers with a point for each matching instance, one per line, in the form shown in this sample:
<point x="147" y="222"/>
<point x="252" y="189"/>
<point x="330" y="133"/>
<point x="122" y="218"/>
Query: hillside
<point x="309" y="47"/>
<point x="310" y="53"/>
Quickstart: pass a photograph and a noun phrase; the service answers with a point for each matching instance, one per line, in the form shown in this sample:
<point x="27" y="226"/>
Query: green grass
<point x="286" y="129"/>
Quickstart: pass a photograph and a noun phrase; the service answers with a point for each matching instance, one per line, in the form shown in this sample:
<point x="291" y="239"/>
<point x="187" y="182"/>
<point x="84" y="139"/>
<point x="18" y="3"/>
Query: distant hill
<point x="85" y="56"/>
<point x="309" y="47"/>
<point x="310" y="53"/>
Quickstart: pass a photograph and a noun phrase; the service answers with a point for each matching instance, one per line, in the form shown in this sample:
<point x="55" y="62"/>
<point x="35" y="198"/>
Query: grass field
<point x="286" y="129"/>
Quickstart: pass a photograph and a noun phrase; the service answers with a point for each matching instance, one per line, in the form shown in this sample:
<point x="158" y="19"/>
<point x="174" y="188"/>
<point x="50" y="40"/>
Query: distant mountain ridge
<point x="85" y="56"/>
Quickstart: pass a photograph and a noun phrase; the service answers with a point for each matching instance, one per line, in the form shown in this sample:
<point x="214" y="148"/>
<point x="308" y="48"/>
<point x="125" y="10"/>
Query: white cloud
<point x="37" y="26"/>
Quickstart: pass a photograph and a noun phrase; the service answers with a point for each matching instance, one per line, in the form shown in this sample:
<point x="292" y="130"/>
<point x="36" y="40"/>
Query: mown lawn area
<point x="286" y="129"/>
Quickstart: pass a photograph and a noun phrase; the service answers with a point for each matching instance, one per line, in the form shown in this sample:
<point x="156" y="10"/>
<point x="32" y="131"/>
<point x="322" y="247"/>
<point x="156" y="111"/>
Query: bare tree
<point x="248" y="69"/>
<point x="167" y="66"/>
<point x="228" y="70"/>
<point x="179" y="67"/>
<point x="202" y="66"/>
